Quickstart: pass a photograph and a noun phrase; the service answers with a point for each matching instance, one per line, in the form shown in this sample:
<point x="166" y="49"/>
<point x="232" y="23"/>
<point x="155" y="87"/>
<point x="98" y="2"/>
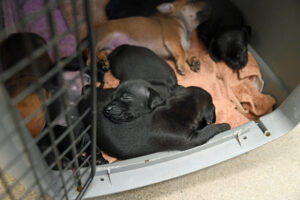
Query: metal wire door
<point x="28" y="171"/>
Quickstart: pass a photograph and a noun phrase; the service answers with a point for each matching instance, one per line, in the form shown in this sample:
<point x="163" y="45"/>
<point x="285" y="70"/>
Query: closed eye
<point x="126" y="97"/>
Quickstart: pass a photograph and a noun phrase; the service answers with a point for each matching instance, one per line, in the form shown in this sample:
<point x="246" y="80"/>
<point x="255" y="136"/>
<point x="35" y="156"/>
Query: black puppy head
<point x="130" y="100"/>
<point x="206" y="108"/>
<point x="210" y="114"/>
<point x="231" y="46"/>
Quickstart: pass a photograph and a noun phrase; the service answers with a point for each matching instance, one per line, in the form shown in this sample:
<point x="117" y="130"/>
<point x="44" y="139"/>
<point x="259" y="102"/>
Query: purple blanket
<point x="40" y="25"/>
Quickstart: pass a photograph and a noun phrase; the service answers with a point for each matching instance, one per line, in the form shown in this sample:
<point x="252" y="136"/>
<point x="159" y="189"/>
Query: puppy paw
<point x="194" y="63"/>
<point x="180" y="69"/>
<point x="88" y="61"/>
<point x="86" y="56"/>
<point x="103" y="60"/>
<point x="222" y="127"/>
<point x="103" y="64"/>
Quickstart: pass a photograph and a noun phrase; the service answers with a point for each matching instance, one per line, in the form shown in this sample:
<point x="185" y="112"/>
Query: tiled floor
<point x="271" y="172"/>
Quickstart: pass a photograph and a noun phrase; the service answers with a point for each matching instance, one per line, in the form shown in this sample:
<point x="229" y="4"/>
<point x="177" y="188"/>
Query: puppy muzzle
<point x="117" y="113"/>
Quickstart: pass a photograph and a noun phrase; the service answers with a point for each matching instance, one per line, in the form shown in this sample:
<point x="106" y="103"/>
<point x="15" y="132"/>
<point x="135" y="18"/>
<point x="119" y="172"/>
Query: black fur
<point x="131" y="100"/>
<point x="18" y="46"/>
<point x="45" y="142"/>
<point x="127" y="8"/>
<point x="183" y="121"/>
<point x="133" y="62"/>
<point x="71" y="95"/>
<point x="226" y="34"/>
<point x="55" y="110"/>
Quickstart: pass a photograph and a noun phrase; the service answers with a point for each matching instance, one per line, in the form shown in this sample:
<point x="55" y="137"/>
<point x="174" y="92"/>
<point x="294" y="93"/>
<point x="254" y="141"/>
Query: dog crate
<point x="22" y="162"/>
<point x="274" y="45"/>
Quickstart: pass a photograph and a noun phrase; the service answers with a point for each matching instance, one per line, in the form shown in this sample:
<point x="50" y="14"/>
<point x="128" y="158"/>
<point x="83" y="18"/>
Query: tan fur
<point x="31" y="105"/>
<point x="98" y="10"/>
<point x="168" y="35"/>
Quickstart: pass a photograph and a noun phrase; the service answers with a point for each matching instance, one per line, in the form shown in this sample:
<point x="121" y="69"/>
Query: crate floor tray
<point x="138" y="172"/>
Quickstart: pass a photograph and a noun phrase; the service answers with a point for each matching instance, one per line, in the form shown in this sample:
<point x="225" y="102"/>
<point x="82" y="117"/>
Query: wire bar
<point x="80" y="153"/>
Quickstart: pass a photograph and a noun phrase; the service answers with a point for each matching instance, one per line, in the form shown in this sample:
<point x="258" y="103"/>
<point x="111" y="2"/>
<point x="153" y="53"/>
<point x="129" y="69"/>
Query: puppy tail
<point x="203" y="135"/>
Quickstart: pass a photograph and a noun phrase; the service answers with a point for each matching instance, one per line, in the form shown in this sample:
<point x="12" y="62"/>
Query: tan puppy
<point x="167" y="33"/>
<point x="12" y="50"/>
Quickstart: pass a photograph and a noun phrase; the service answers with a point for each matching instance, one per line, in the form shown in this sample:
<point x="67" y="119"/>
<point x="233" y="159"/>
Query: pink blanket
<point x="40" y="24"/>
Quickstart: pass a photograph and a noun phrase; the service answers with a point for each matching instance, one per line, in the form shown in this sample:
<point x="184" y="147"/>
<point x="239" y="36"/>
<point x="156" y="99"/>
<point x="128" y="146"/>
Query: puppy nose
<point x="108" y="108"/>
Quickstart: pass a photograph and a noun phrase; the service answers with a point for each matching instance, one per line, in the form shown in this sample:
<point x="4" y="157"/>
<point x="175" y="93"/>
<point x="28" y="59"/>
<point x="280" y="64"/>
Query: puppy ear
<point x="165" y="8"/>
<point x="213" y="50"/>
<point x="154" y="99"/>
<point x="85" y="90"/>
<point x="247" y="32"/>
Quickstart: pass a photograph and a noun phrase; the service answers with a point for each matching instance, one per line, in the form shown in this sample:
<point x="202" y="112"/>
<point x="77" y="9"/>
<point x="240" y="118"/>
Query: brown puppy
<point x="31" y="105"/>
<point x="166" y="33"/>
<point x="12" y="50"/>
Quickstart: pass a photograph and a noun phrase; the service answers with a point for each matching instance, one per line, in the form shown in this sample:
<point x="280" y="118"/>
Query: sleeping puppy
<point x="13" y="49"/>
<point x="73" y="81"/>
<point x="131" y="100"/>
<point x="225" y="34"/>
<point x="168" y="33"/>
<point x="135" y="121"/>
<point x="133" y="62"/>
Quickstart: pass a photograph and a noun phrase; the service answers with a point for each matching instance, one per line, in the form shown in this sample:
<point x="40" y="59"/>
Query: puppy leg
<point x="203" y="135"/>
<point x="102" y="59"/>
<point x="86" y="55"/>
<point x="101" y="55"/>
<point x="178" y="54"/>
<point x="104" y="46"/>
<point x="194" y="63"/>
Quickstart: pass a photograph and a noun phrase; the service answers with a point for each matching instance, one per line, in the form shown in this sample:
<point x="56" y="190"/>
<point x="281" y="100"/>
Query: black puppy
<point x="131" y="100"/>
<point x="226" y="34"/>
<point x="133" y="62"/>
<point x="73" y="81"/>
<point x="180" y="122"/>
